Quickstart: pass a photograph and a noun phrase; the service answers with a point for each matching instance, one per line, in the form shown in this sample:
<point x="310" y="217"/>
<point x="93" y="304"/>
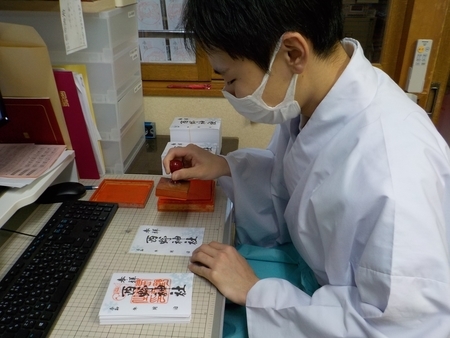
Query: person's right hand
<point x="198" y="163"/>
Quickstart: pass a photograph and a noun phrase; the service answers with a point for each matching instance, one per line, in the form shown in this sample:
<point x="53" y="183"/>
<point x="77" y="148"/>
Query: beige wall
<point x="162" y="111"/>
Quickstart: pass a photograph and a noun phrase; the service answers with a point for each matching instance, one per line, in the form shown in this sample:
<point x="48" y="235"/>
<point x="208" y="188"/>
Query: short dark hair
<point x="250" y="29"/>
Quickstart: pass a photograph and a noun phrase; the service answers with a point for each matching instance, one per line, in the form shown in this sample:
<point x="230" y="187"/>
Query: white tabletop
<point x="80" y="316"/>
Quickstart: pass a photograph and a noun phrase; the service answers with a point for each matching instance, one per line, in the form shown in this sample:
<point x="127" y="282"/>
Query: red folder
<point x="76" y="125"/>
<point x="31" y="120"/>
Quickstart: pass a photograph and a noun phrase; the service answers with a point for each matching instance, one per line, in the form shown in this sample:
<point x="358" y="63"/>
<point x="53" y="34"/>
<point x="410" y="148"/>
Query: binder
<point x="31" y="120"/>
<point x="26" y="70"/>
<point x="76" y="125"/>
<point x="81" y="79"/>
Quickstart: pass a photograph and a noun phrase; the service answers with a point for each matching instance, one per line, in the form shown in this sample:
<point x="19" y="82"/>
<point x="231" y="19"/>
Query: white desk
<point x="80" y="316"/>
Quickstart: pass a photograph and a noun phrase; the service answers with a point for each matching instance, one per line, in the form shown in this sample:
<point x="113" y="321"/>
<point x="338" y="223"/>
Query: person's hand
<point x="223" y="266"/>
<point x="198" y="163"/>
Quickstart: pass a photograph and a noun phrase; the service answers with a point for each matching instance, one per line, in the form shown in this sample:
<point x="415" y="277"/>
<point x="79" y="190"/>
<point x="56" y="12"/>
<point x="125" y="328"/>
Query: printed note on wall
<point x="149" y="15"/>
<point x="173" y="10"/>
<point x="178" y="52"/>
<point x="153" y="49"/>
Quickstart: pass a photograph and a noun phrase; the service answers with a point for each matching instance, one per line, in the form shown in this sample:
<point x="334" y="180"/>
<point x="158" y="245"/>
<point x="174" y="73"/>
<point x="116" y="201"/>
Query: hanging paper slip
<point x="73" y="25"/>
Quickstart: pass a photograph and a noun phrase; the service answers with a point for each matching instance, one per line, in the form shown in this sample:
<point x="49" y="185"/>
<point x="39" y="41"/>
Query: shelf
<point x="15" y="198"/>
<point x="52" y="5"/>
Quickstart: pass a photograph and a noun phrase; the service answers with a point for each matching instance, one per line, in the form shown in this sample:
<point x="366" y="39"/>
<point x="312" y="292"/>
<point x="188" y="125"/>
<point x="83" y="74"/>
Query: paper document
<point x="73" y="25"/>
<point x="172" y="241"/>
<point x="21" y="164"/>
<point x="141" y="298"/>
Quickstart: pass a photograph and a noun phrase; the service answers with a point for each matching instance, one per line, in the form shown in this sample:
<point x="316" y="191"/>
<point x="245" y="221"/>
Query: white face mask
<point x="255" y="109"/>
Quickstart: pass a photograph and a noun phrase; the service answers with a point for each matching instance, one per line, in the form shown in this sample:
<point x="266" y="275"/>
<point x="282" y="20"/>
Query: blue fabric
<point x="279" y="262"/>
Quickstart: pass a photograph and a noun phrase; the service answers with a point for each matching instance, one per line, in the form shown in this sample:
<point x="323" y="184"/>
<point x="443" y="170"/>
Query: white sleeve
<point x="249" y="190"/>
<point x="399" y="280"/>
<point x="276" y="308"/>
<point x="258" y="202"/>
<point x="393" y="240"/>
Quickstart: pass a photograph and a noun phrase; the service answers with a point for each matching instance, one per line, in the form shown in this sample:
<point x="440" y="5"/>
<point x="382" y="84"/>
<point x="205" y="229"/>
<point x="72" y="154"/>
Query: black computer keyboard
<point x="34" y="290"/>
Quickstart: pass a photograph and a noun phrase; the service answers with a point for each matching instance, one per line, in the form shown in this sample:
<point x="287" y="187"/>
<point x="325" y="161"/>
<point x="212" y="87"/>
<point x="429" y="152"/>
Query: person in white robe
<point x="356" y="177"/>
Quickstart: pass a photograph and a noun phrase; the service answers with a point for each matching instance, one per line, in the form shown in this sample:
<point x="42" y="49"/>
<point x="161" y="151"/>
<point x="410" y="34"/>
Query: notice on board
<point x="73" y="25"/>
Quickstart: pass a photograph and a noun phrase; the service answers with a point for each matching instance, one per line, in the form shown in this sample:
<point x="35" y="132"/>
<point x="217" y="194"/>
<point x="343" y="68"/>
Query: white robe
<point x="363" y="192"/>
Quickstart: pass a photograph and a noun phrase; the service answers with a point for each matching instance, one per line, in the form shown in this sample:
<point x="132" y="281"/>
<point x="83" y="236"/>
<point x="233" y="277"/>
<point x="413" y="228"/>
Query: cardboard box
<point x="197" y="130"/>
<point x="211" y="147"/>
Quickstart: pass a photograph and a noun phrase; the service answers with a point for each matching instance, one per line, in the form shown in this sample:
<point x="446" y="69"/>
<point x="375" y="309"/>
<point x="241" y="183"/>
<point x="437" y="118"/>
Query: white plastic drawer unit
<point x="107" y="78"/>
<point x="112" y="117"/>
<point x="118" y="155"/>
<point x="106" y="30"/>
<point x="112" y="27"/>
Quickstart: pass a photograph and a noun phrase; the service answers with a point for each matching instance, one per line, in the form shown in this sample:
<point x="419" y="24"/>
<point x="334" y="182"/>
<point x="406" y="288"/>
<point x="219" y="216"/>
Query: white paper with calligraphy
<point x="72" y="21"/>
<point x="139" y="298"/>
<point x="158" y="240"/>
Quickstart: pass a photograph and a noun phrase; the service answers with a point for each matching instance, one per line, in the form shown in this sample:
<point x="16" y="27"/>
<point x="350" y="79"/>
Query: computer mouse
<point x="61" y="192"/>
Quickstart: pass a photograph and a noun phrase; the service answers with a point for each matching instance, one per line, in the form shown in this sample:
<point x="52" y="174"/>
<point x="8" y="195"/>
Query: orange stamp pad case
<point x="199" y="195"/>
<point x="127" y="193"/>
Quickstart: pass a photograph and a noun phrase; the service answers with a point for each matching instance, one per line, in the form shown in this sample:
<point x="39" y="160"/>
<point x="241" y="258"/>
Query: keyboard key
<point x="42" y="325"/>
<point x="29" y="324"/>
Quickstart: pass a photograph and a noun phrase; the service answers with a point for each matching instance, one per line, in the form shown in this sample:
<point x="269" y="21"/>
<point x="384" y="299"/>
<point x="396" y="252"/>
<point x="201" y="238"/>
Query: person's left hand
<point x="223" y="266"/>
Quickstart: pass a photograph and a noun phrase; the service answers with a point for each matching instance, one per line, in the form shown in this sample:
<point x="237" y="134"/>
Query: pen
<point x="90" y="187"/>
<point x="190" y="86"/>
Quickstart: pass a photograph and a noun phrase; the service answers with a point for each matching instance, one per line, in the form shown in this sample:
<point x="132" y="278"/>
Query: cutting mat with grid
<point x="80" y="316"/>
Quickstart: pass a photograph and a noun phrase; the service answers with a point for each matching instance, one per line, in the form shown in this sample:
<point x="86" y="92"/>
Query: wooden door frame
<point x="395" y="24"/>
<point x="441" y="74"/>
<point x="424" y="19"/>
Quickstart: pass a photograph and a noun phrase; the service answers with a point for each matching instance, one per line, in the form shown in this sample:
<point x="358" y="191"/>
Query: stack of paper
<point x="21" y="164"/>
<point x="197" y="130"/>
<point x="141" y="298"/>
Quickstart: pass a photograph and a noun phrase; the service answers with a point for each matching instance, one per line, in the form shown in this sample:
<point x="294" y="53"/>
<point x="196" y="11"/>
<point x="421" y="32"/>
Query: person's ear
<point x="298" y="51"/>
